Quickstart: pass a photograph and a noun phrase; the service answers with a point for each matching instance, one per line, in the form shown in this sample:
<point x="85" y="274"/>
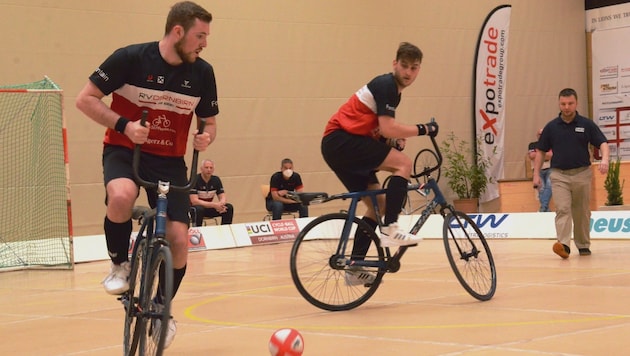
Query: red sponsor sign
<point x="272" y="231"/>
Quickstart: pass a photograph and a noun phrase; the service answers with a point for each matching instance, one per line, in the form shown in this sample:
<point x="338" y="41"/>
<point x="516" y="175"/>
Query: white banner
<point x="610" y="27"/>
<point x="490" y="80"/>
<point x="608" y="17"/>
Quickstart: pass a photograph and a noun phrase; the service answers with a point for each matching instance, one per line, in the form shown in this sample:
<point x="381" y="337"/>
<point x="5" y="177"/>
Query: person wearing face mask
<point x="282" y="182"/>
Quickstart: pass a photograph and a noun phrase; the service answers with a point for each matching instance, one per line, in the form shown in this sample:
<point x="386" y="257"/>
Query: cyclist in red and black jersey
<point x="359" y="140"/>
<point x="168" y="79"/>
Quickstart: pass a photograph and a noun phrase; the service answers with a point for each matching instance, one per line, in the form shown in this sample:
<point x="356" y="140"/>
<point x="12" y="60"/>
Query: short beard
<point x="182" y="55"/>
<point x="399" y="81"/>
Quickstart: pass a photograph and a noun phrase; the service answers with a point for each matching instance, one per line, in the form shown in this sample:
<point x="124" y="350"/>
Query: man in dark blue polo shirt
<point x="569" y="136"/>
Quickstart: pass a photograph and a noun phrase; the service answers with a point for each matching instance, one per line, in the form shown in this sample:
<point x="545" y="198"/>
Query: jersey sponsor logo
<point x="166" y="98"/>
<point x="186" y="84"/>
<point x="161" y="123"/>
<point x="579" y="129"/>
<point x="159" y="142"/>
<point x="102" y="74"/>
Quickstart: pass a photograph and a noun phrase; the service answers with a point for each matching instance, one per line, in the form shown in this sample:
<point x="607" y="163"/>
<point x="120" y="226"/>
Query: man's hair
<point x="184" y="14"/>
<point x="409" y="52"/>
<point x="286" y="160"/>
<point x="566" y="92"/>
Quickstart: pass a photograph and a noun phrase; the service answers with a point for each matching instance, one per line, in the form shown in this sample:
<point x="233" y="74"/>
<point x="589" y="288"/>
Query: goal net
<point x="35" y="225"/>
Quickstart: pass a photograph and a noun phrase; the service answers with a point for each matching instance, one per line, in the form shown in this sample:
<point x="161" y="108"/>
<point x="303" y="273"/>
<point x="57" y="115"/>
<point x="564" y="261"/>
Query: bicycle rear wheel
<point x="469" y="255"/>
<point x="320" y="263"/>
<point x="157" y="293"/>
<point x="131" y="299"/>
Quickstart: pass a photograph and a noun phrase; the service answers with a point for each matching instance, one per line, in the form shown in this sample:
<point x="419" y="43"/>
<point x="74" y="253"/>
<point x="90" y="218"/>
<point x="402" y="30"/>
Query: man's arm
<point x="89" y="101"/>
<point x="278" y="195"/>
<point x="201" y="142"/>
<point x="603" y="164"/>
<point x="538" y="161"/>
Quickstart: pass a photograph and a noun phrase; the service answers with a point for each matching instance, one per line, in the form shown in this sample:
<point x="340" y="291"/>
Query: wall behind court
<point x="283" y="67"/>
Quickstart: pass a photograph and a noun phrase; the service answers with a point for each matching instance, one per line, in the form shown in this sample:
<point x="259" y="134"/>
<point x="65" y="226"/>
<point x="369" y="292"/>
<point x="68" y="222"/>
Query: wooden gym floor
<point x="232" y="300"/>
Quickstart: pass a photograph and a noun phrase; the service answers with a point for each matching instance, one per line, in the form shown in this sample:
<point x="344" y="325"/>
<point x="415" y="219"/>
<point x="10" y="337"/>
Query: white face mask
<point x="287" y="173"/>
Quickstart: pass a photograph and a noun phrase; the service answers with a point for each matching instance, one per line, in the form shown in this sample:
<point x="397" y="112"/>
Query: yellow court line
<point x="189" y="312"/>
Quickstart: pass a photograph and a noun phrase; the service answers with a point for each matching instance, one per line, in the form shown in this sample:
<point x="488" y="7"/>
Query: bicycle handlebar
<point x="428" y="171"/>
<point x="153" y="185"/>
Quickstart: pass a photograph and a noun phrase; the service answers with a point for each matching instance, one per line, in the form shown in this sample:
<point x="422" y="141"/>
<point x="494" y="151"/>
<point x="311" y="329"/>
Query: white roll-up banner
<point x="490" y="99"/>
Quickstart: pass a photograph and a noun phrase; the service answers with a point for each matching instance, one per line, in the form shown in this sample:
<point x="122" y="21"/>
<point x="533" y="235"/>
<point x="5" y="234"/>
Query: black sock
<point x="117" y="237"/>
<point x="178" y="276"/>
<point x="394" y="199"/>
<point x="362" y="240"/>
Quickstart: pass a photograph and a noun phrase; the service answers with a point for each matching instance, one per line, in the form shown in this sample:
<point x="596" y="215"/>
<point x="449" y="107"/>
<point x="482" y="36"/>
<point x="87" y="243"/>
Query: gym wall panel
<point x="283" y="67"/>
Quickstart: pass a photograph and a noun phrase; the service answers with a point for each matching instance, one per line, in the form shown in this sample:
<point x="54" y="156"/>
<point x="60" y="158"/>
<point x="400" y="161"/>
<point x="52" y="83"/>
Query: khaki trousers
<point x="571" y="191"/>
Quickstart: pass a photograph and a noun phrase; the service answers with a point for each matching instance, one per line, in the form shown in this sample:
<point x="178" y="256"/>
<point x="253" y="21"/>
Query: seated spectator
<point x="286" y="180"/>
<point x="203" y="194"/>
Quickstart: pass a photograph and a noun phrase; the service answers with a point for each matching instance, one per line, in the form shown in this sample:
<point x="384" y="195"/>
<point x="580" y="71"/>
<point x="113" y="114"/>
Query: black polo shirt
<point x="569" y="141"/>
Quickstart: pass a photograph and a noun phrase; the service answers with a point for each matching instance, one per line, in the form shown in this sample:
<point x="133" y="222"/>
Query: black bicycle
<point x="147" y="303"/>
<point x="322" y="257"/>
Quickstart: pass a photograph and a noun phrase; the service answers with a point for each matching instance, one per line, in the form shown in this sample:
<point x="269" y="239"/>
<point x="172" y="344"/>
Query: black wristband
<point x="121" y="124"/>
<point x="422" y="130"/>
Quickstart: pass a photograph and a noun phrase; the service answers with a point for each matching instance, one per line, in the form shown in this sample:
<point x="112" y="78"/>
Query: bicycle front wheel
<point x="157" y="293"/>
<point x="469" y="255"/>
<point x="426" y="159"/>
<point x="322" y="266"/>
<point x="131" y="299"/>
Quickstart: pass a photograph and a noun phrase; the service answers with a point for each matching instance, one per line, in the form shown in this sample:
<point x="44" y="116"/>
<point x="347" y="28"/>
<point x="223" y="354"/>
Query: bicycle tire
<point x="474" y="266"/>
<point x="318" y="272"/>
<point x="154" y="315"/>
<point x="131" y="300"/>
<point x="426" y="158"/>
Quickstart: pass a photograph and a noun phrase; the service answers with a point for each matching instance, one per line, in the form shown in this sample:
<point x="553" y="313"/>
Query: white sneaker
<point x="356" y="276"/>
<point x="392" y="235"/>
<point x="117" y="282"/>
<point x="172" y="328"/>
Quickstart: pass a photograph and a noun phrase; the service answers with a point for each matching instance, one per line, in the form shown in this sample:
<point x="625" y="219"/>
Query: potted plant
<point x="465" y="170"/>
<point x="614" y="189"/>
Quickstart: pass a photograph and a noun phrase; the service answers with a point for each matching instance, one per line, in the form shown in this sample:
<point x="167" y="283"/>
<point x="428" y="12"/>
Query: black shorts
<point x="117" y="162"/>
<point x="354" y="158"/>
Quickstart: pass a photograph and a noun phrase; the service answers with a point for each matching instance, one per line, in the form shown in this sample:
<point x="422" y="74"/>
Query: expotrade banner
<point x="489" y="107"/>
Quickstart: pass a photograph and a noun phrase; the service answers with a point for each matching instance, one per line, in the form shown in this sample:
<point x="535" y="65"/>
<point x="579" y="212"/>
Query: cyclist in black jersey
<point x="169" y="80"/>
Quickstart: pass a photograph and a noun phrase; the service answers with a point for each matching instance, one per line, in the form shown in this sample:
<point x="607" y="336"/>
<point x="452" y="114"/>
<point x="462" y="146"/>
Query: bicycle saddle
<point x="308" y="198"/>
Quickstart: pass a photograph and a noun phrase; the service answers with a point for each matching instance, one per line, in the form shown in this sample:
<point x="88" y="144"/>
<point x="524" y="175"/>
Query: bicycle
<point x="147" y="303"/>
<point x="321" y="253"/>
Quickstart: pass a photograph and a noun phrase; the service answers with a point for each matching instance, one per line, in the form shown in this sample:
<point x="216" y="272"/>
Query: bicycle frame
<point x="392" y="261"/>
<point x="155" y="257"/>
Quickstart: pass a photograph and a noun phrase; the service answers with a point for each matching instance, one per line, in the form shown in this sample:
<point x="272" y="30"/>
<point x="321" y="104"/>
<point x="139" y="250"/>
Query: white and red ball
<point x="286" y="342"/>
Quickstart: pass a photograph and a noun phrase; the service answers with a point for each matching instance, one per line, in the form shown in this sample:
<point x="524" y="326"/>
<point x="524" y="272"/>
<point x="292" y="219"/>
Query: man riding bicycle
<point x="358" y="142"/>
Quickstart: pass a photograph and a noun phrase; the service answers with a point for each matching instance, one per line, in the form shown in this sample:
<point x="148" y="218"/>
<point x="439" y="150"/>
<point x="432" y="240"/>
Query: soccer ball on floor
<point x="286" y="342"/>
